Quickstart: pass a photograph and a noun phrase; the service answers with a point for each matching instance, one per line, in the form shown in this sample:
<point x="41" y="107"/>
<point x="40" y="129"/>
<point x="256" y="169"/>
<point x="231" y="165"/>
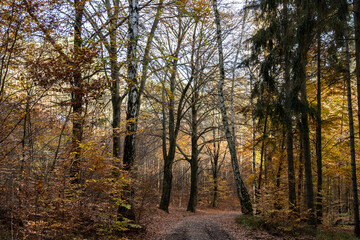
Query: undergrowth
<point x="290" y="228"/>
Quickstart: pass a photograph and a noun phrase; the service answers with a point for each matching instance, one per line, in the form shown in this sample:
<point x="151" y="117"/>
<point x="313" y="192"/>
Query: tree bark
<point x="287" y="108"/>
<point x="352" y="144"/>
<point x="306" y="144"/>
<point x="262" y="154"/>
<point x="243" y="195"/>
<point x="132" y="107"/>
<point x="115" y="77"/>
<point x="215" y="181"/>
<point x="300" y="173"/>
<point x="170" y="153"/>
<point x="253" y="140"/>
<point x="304" y="39"/>
<point x="194" y="158"/>
<point x="194" y="151"/>
<point x="77" y="95"/>
<point x="318" y="135"/>
<point x="194" y="126"/>
<point x="132" y="82"/>
<point x="357" y="71"/>
<point x="357" y="51"/>
<point x="215" y="169"/>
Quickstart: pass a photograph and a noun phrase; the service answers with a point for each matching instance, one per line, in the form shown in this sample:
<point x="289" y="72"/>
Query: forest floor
<point x="205" y="224"/>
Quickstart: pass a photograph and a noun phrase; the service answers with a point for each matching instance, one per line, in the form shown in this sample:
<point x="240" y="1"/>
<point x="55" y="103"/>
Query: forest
<point x="145" y="119"/>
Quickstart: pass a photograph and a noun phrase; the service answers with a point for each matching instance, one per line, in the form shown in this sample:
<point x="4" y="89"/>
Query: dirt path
<point x="206" y="224"/>
<point x="200" y="228"/>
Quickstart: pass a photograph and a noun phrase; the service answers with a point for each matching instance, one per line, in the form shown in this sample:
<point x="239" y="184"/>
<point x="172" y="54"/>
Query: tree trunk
<point x="26" y="135"/>
<point x="132" y="107"/>
<point x="304" y="38"/>
<point x="146" y="58"/>
<point x="306" y="144"/>
<point x="262" y="153"/>
<point x="357" y="53"/>
<point x="215" y="181"/>
<point x="290" y="159"/>
<point x="253" y="140"/>
<point x="167" y="185"/>
<point x="194" y="126"/>
<point x="277" y="204"/>
<point x="193" y="162"/>
<point x="288" y="117"/>
<point x="77" y="95"/>
<point x="170" y="154"/>
<point x="300" y="174"/>
<point x="115" y="77"/>
<point x="215" y="171"/>
<point x="352" y="144"/>
<point x="133" y="95"/>
<point x="194" y="153"/>
<point x="243" y="195"/>
<point x="318" y="136"/>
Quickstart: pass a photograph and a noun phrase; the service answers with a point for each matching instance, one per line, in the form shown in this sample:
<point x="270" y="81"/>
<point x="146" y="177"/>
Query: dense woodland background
<point x="111" y="107"/>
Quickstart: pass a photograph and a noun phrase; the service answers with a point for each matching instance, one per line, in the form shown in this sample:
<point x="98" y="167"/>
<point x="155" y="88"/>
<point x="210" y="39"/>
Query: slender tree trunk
<point x="132" y="82"/>
<point x="243" y="195"/>
<point x="288" y="119"/>
<point x="300" y="173"/>
<point x="304" y="38"/>
<point x="215" y="171"/>
<point x="194" y="156"/>
<point x="215" y="182"/>
<point x="167" y="185"/>
<point x="306" y="144"/>
<point x="277" y="204"/>
<point x="278" y="174"/>
<point x="290" y="154"/>
<point x="132" y="107"/>
<point x="77" y="95"/>
<point x="170" y="154"/>
<point x="235" y="66"/>
<point x="257" y="192"/>
<point x="253" y="152"/>
<point x="146" y="58"/>
<point x="115" y="77"/>
<point x="194" y="150"/>
<point x="352" y="144"/>
<point x="25" y="139"/>
<point x="318" y="135"/>
<point x="357" y="53"/>
<point x="194" y="126"/>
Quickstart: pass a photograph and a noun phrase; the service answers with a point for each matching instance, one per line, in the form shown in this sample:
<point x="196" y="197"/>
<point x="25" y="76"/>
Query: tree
<point x="194" y="126"/>
<point x="352" y="140"/>
<point x="175" y="115"/>
<point x="77" y="94"/>
<point x="273" y="43"/>
<point x="288" y="107"/>
<point x="132" y="82"/>
<point x="318" y="134"/>
<point x="243" y="195"/>
<point x="357" y="71"/>
<point x="116" y="99"/>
